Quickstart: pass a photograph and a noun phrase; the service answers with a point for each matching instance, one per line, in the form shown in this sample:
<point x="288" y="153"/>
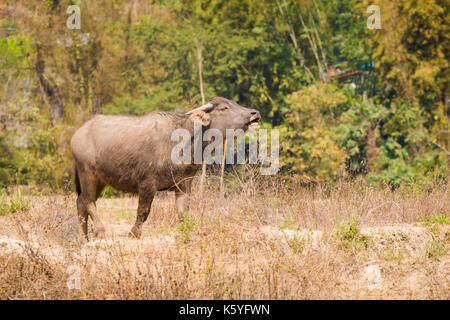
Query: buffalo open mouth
<point x="253" y="124"/>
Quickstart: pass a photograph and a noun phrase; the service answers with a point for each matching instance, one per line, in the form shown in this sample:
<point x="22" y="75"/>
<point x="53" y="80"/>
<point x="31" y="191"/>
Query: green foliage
<point x="310" y="148"/>
<point x="433" y="222"/>
<point x="391" y="125"/>
<point x="349" y="230"/>
<point x="187" y="225"/>
<point x="410" y="52"/>
<point x="357" y="132"/>
<point x="14" y="52"/>
<point x="287" y="222"/>
<point x="30" y="150"/>
<point x="393" y="255"/>
<point x="349" y="37"/>
<point x="13" y="204"/>
<point x="331" y="129"/>
<point x="435" y="250"/>
<point x="110" y="193"/>
<point x="297" y="244"/>
<point x="349" y="236"/>
<point x="440" y="219"/>
<point x="18" y="204"/>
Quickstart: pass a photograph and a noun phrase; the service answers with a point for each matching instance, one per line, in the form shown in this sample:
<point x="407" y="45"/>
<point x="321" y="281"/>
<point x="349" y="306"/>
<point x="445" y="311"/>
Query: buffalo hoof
<point x="83" y="239"/>
<point x="134" y="234"/>
<point x="100" y="233"/>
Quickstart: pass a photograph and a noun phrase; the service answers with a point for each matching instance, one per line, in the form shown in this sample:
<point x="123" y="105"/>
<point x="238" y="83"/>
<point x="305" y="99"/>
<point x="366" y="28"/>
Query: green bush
<point x="435" y="250"/>
<point x="349" y="237"/>
<point x="13" y="204"/>
<point x="187" y="225"/>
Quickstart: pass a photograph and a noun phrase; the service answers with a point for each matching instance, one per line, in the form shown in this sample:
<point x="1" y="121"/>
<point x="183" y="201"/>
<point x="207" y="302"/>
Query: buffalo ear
<point x="202" y="117"/>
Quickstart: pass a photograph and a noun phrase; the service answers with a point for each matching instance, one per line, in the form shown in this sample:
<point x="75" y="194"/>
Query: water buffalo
<point x="133" y="154"/>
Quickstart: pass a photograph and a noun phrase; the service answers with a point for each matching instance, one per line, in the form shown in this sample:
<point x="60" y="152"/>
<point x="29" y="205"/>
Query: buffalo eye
<point x="223" y="107"/>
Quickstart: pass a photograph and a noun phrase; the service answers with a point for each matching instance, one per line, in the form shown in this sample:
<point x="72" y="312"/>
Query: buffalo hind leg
<point x="144" y="206"/>
<point x="98" y="225"/>
<point x="90" y="191"/>
<point x="82" y="217"/>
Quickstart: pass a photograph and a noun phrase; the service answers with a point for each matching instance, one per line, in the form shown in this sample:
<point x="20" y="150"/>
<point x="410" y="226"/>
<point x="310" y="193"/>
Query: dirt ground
<point x="353" y="242"/>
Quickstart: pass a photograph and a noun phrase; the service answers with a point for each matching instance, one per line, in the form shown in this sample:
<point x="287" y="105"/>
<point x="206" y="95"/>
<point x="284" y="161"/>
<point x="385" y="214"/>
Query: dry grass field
<point x="277" y="243"/>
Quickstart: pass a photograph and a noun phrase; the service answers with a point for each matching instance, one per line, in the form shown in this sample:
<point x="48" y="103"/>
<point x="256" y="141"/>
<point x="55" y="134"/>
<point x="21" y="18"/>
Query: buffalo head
<point x="222" y="114"/>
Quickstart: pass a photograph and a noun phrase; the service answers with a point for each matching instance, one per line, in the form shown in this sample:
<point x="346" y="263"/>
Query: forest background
<point x="349" y="101"/>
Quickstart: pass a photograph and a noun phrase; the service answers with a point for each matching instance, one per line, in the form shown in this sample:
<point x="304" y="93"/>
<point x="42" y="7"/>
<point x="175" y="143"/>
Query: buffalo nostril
<point x="254" y="112"/>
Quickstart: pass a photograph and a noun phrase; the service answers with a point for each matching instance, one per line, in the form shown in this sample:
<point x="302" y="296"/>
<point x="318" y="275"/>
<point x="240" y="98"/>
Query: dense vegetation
<point x="388" y="122"/>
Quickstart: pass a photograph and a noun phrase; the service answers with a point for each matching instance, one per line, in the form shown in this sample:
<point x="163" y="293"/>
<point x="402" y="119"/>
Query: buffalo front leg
<point x="144" y="206"/>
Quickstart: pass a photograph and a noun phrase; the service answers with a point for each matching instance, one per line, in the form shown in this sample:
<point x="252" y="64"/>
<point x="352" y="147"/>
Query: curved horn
<point x="206" y="107"/>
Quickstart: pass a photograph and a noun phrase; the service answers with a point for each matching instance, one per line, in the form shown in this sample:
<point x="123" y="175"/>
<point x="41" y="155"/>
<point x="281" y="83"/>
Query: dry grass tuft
<point x="267" y="243"/>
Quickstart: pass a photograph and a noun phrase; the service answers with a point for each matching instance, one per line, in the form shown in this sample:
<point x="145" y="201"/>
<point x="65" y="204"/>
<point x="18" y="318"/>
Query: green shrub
<point x="435" y="250"/>
<point x="297" y="244"/>
<point x="13" y="205"/>
<point x="393" y="255"/>
<point x="349" y="237"/>
<point x="287" y="222"/>
<point x="187" y="225"/>
<point x="110" y="192"/>
<point x="432" y="222"/>
<point x="440" y="219"/>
